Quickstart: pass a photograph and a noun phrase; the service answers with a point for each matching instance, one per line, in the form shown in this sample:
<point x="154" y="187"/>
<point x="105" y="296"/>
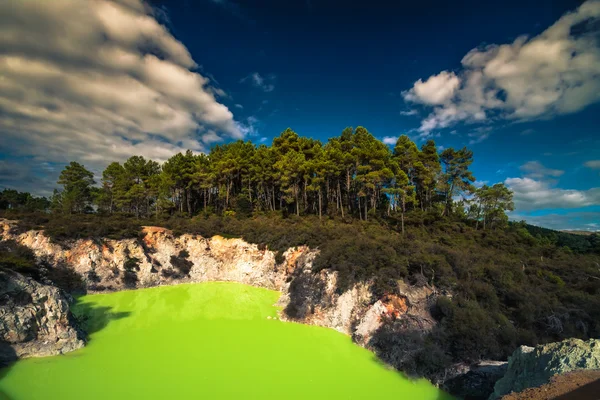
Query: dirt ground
<point x="579" y="385"/>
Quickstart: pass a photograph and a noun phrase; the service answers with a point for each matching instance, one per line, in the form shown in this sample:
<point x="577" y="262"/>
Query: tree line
<point x="351" y="175"/>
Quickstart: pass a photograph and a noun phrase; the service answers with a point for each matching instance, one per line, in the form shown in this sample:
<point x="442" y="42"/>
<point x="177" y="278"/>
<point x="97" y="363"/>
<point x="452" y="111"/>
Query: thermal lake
<point x="205" y="341"/>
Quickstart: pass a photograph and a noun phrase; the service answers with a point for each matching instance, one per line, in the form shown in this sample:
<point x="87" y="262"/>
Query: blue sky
<point x="516" y="82"/>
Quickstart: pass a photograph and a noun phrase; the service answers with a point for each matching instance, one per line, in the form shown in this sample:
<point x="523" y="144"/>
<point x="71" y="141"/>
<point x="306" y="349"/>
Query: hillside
<point x="491" y="290"/>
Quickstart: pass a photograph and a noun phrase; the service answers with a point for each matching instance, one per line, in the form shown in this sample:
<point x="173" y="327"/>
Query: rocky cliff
<point x="160" y="258"/>
<point x="34" y="319"/>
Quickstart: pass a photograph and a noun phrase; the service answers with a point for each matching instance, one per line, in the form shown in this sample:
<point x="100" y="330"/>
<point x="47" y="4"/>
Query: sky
<point x="97" y="81"/>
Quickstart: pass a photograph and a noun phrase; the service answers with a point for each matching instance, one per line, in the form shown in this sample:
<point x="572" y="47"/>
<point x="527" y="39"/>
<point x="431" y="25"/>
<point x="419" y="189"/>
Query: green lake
<point x="205" y="341"/>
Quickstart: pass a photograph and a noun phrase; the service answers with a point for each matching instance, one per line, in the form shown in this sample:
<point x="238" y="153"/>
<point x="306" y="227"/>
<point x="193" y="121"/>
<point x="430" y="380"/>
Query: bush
<point x="18" y="258"/>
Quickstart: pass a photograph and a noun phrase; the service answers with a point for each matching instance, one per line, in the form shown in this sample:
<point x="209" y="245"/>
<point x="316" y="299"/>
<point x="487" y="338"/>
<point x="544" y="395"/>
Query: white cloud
<point x="241" y="107"/>
<point x="593" y="164"/>
<point x="535" y="170"/>
<point x="391" y="140"/>
<point x="251" y="126"/>
<point x="438" y="89"/>
<point x="480" y="134"/>
<point x="556" y="72"/>
<point x="266" y="84"/>
<point x="532" y="194"/>
<point x="408" y="113"/>
<point x="97" y="81"/>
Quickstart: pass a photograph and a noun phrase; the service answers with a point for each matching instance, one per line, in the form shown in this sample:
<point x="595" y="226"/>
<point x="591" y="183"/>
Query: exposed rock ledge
<point x="34" y="319"/>
<point x="530" y="367"/>
<point x="160" y="258"/>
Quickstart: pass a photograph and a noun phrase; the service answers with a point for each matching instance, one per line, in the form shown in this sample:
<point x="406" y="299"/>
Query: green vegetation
<point x="376" y="216"/>
<point x="22" y="201"/>
<point x="353" y="175"/>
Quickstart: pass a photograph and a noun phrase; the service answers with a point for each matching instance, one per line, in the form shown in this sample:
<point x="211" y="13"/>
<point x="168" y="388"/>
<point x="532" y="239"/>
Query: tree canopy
<point x="352" y="175"/>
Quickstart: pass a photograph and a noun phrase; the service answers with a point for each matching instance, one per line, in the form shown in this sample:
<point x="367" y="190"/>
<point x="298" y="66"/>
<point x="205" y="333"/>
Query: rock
<point x="477" y="381"/>
<point x="534" y="366"/>
<point x="161" y="258"/>
<point x="34" y="319"/>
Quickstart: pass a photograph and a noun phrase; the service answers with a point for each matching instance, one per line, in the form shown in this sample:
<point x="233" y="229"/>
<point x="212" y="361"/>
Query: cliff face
<point x="160" y="258"/>
<point x="34" y="319"/>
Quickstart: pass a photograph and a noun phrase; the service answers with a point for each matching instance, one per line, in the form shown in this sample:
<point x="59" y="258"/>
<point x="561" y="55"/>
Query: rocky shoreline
<point x="160" y="258"/>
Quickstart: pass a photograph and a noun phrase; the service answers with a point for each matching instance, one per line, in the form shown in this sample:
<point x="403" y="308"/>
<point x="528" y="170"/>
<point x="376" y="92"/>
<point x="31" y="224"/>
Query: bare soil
<point x="579" y="385"/>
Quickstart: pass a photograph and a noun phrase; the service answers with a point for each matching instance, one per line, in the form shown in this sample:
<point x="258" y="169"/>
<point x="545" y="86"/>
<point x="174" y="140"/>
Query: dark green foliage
<point x="13" y="200"/>
<point x="18" y="258"/>
<point x="577" y="243"/>
<point x="61" y="228"/>
<point x="77" y="194"/>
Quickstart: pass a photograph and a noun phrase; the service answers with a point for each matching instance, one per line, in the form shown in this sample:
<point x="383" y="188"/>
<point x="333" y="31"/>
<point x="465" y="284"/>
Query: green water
<point x="205" y="341"/>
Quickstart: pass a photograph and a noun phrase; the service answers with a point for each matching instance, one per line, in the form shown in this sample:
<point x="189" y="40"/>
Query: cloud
<point x="241" y="107"/>
<point x="593" y="164"/>
<point x="97" y="81"/>
<point x="532" y="194"/>
<point x="478" y="135"/>
<point x="556" y="72"/>
<point x="535" y="170"/>
<point x="438" y="89"/>
<point x="408" y="113"/>
<point x="390" y="140"/>
<point x="266" y="84"/>
<point x="251" y="126"/>
<point x="21" y="176"/>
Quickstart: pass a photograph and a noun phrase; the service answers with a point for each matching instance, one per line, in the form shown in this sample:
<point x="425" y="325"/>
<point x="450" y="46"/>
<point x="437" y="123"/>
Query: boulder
<point x="35" y="319"/>
<point x="477" y="382"/>
<point x="534" y="366"/>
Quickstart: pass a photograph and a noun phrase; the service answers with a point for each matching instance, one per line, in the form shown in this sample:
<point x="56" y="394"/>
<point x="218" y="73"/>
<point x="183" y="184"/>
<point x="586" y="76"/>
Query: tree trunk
<point x="348" y="190"/>
<point x="227" y="196"/>
<point x="403" y="211"/>
<point x="297" y="189"/>
<point x="305" y="196"/>
<point x="319" y="204"/>
<point x="188" y="198"/>
<point x="340" y="198"/>
<point x="359" y="210"/>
